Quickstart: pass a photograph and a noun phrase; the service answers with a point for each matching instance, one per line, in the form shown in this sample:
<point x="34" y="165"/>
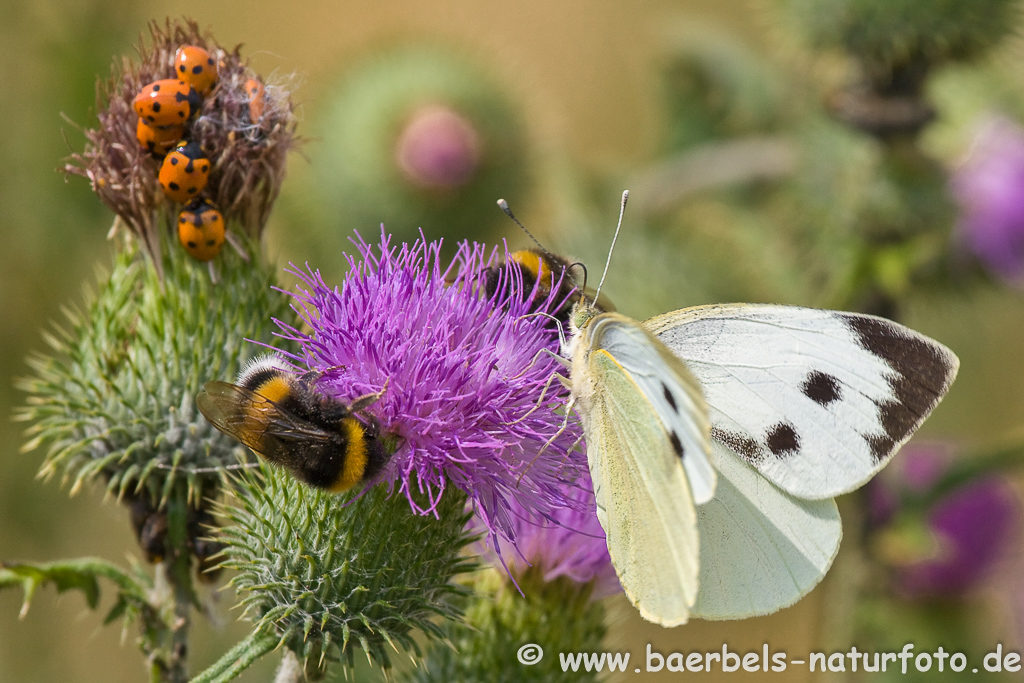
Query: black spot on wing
<point x="782" y="440"/>
<point x="677" y="445"/>
<point x="670" y="398"/>
<point x="821" y="387"/>
<point x="745" y="447"/>
<point x="921" y="374"/>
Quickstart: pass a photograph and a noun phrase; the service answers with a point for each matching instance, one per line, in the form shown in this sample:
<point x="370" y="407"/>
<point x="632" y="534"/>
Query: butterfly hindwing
<point x="761" y="548"/>
<point x="817" y="401"/>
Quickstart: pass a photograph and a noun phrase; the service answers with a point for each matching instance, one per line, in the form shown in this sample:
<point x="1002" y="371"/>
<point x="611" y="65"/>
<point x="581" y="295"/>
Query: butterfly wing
<point x="668" y="389"/>
<point x="644" y="500"/>
<point x="761" y="548"/>
<point x="817" y="401"/>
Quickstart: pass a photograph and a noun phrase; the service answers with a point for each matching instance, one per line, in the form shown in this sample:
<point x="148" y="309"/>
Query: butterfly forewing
<point x="669" y="390"/>
<point x="817" y="401"/>
<point x="761" y="548"/>
<point x="643" y="499"/>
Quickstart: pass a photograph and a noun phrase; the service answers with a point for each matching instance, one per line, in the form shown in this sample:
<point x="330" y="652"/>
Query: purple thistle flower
<point x="972" y="527"/>
<point x="953" y="544"/>
<point x="571" y="543"/>
<point x="463" y="373"/>
<point x="989" y="186"/>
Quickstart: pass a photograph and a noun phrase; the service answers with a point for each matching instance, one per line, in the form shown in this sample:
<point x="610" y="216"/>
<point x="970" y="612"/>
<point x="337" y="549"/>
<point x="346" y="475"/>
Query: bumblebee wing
<point x="256" y="421"/>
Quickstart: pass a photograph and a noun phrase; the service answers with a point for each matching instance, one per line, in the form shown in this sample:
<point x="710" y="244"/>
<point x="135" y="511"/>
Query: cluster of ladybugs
<point x="165" y="108"/>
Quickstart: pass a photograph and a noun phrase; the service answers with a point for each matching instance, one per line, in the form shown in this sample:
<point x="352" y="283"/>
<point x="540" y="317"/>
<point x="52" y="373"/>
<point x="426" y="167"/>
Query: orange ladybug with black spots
<point x="195" y="66"/>
<point x="201" y="230"/>
<point x="184" y="172"/>
<point x="159" y="140"/>
<point x="167" y="102"/>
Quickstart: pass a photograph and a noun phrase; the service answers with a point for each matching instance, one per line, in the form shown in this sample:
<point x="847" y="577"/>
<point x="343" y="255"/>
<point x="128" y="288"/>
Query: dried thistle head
<point x="247" y="156"/>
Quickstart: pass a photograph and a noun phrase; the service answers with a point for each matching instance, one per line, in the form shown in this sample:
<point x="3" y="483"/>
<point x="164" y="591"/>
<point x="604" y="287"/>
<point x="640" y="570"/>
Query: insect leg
<point x="368" y="400"/>
<point x="565" y="425"/>
<point x="540" y="401"/>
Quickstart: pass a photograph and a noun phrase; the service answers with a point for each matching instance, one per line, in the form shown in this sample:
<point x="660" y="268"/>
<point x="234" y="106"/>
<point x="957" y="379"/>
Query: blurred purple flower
<point x="971" y="527"/>
<point x="570" y="543"/>
<point x="438" y="148"/>
<point x="989" y="186"/>
<point x="954" y="544"/>
<point x="919" y="467"/>
<point x="463" y="375"/>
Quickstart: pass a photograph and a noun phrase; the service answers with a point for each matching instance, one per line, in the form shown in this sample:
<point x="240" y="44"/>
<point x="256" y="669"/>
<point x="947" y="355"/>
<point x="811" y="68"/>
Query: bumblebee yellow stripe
<point x="532" y="263"/>
<point x="355" y="456"/>
<point x="275" y="389"/>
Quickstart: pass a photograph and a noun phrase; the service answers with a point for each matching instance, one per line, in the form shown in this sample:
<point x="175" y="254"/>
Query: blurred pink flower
<point x="989" y="186"/>
<point x="438" y="149"/>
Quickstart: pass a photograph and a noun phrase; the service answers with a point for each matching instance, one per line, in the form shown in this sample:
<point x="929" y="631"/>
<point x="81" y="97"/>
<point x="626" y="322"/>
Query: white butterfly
<point x="789" y="406"/>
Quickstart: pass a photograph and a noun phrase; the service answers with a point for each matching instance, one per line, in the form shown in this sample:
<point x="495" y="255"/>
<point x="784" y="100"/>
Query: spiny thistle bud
<point x="415" y="138"/>
<point x="887" y="36"/>
<point x="246" y="154"/>
<point x="518" y="636"/>
<point x="117" y="398"/>
<point x="716" y="87"/>
<point x="330" y="573"/>
<point x="548" y="601"/>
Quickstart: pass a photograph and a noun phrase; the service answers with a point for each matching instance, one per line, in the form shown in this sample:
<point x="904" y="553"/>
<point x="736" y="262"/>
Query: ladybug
<point x="185" y="171"/>
<point x="257" y="99"/>
<point x="159" y="140"/>
<point x="195" y="66"/>
<point x="167" y="102"/>
<point x="201" y="230"/>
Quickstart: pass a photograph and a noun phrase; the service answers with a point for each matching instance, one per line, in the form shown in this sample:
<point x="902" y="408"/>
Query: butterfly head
<point x="583" y="312"/>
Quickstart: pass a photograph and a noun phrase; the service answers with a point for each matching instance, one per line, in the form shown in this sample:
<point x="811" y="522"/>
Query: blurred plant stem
<point x="241" y="656"/>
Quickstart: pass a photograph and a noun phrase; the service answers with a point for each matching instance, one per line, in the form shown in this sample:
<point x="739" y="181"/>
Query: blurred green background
<point x="586" y="81"/>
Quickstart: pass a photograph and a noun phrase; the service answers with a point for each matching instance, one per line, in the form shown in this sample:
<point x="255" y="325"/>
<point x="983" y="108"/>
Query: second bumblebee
<point x="283" y="418"/>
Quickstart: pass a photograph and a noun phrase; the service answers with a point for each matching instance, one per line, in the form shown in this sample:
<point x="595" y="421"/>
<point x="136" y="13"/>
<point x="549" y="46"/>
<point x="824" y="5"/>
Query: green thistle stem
<point x="179" y="577"/>
<point x="239" y="658"/>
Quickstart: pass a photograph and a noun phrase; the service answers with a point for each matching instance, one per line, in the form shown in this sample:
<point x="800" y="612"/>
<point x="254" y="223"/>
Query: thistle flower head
<point x="949" y="545"/>
<point x="463" y="377"/>
<point x="247" y="157"/>
<point x="972" y="528"/>
<point x="571" y="543"/>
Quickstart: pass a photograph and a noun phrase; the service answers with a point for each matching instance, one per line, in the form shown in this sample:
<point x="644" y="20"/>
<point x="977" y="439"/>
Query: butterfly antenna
<point x="503" y="205"/>
<point x="622" y="211"/>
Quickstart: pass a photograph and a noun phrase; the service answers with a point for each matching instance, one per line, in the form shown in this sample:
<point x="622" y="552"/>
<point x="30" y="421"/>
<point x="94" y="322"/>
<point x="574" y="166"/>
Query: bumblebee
<point x="283" y="418"/>
<point x="539" y="271"/>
